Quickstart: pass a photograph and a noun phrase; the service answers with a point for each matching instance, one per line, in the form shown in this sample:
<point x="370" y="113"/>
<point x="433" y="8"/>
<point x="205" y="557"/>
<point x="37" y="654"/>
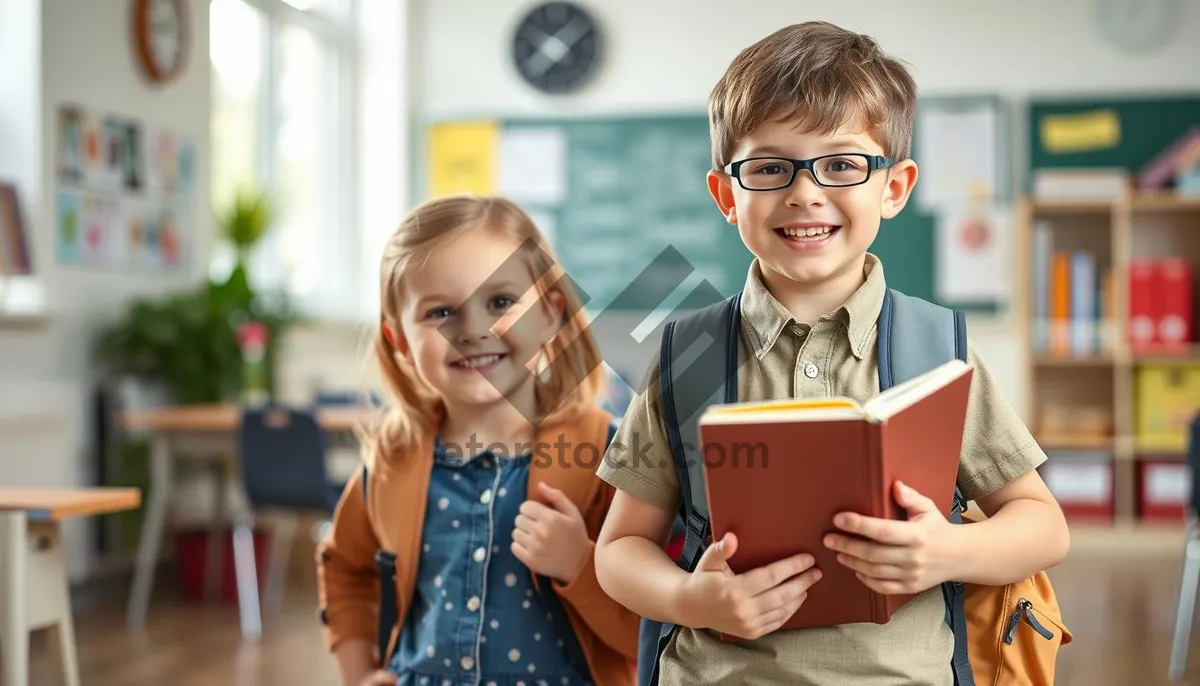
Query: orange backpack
<point x="1014" y="631"/>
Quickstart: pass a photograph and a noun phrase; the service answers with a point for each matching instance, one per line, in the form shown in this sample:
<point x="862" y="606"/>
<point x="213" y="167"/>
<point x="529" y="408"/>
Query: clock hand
<point x="550" y="51"/>
<point x="544" y="61"/>
<point x="569" y="39"/>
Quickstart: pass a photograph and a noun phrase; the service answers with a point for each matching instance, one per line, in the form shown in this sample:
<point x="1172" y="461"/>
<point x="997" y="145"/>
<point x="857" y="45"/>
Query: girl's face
<point x="474" y="326"/>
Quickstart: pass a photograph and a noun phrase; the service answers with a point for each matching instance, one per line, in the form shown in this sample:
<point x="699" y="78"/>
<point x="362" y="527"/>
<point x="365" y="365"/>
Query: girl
<point x="480" y="483"/>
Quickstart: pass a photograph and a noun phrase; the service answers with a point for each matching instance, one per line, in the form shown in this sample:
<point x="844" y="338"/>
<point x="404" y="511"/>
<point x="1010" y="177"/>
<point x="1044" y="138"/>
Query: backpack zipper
<point x="1025" y="609"/>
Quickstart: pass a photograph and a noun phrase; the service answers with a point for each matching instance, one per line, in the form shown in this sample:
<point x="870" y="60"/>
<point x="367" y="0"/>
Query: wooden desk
<point x="54" y="504"/>
<point x="208" y="433"/>
<point x="34" y="571"/>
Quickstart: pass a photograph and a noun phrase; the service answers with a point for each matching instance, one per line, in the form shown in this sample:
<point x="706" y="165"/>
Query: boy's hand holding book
<point x="747" y="605"/>
<point x="906" y="556"/>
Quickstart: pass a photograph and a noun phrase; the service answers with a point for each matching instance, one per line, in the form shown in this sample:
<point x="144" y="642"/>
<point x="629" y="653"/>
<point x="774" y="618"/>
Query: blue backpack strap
<point x="687" y="387"/>
<point x="915" y="336"/>
<point x="698" y="364"/>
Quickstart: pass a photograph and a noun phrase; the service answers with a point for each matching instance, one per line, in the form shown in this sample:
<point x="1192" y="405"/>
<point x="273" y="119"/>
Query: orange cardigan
<point x="392" y="519"/>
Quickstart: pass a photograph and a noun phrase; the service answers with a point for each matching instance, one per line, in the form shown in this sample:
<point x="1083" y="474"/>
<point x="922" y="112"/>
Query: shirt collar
<point x="765" y="317"/>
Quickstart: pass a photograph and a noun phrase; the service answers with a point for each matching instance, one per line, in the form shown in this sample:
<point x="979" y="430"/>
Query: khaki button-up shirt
<point x="834" y="356"/>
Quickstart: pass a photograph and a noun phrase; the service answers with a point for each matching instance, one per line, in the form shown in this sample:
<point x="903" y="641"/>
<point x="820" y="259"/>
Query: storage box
<point x="1082" y="482"/>
<point x="1166" y="398"/>
<point x="192" y="556"/>
<point x="1163" y="489"/>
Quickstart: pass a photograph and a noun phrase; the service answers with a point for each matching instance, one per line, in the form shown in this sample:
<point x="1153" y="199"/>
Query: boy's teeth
<point x="814" y="231"/>
<point x="477" y="361"/>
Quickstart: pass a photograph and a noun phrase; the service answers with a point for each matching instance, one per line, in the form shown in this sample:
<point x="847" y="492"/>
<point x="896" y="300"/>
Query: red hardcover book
<point x="777" y="472"/>
<point x="1174" y="293"/>
<point x="1143" y="312"/>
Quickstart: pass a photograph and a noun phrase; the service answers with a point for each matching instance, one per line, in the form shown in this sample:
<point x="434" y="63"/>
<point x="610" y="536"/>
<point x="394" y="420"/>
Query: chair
<point x="1189" y="576"/>
<point x="282" y="454"/>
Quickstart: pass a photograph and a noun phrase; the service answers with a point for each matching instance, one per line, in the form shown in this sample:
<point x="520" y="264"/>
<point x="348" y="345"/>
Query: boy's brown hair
<point x="820" y="75"/>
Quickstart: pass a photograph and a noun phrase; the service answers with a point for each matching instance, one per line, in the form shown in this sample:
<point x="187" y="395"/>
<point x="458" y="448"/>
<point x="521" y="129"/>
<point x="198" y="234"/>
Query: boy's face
<point x="809" y="233"/>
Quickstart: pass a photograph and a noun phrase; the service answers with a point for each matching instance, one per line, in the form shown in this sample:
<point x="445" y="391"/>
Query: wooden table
<point x="226" y="419"/>
<point x="208" y="433"/>
<point x="34" y="570"/>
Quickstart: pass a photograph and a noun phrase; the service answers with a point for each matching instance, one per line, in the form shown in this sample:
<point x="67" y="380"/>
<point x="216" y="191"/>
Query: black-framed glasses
<point x="832" y="171"/>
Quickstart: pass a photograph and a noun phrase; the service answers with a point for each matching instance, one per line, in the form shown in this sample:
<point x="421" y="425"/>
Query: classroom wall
<point x="654" y="64"/>
<point x="83" y="55"/>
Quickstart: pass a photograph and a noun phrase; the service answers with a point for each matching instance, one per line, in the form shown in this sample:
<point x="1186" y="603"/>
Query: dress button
<point x="480" y="554"/>
<point x="810" y="370"/>
<point x="467" y="662"/>
<point x="473" y="603"/>
<point x="486" y="497"/>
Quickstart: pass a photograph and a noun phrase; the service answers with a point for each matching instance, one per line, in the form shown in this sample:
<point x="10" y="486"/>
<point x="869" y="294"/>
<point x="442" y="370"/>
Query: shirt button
<point x="486" y="497"/>
<point x="467" y="662"/>
<point x="473" y="603"/>
<point x="810" y="370"/>
<point x="480" y="554"/>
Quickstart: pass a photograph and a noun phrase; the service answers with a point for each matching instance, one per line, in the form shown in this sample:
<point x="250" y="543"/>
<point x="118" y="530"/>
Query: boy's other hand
<point x="552" y="540"/>
<point x="900" y="556"/>
<point x="747" y="605"/>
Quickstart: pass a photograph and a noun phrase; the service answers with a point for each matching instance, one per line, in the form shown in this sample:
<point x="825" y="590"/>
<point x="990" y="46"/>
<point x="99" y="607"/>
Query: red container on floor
<point x="191" y="550"/>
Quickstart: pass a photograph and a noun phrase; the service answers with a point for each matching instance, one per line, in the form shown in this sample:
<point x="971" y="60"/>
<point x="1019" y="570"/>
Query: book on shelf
<point x="1085" y="183"/>
<point x="15" y="259"/>
<point x="1073" y="304"/>
<point x="777" y="472"/>
<point x="1160" y="305"/>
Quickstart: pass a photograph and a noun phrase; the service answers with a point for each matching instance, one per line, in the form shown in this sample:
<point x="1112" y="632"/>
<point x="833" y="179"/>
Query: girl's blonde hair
<point x="577" y="379"/>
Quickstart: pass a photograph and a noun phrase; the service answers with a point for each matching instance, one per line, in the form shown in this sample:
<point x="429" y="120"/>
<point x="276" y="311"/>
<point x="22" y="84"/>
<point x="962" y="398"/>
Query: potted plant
<point x="186" y="344"/>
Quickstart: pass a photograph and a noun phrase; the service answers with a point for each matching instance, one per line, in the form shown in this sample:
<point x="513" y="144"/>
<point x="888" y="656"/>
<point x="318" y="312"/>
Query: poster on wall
<point x="125" y="191"/>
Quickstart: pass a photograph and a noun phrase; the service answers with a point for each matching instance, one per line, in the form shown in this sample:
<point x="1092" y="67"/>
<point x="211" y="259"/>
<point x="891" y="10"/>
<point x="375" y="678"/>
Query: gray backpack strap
<point x="915" y="336"/>
<point x="697" y="367"/>
<point x="698" y="364"/>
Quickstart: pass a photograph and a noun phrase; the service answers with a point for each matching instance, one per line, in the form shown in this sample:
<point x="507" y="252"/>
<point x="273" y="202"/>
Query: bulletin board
<point x="1123" y="132"/>
<point x="616" y="193"/>
<point x="124" y="193"/>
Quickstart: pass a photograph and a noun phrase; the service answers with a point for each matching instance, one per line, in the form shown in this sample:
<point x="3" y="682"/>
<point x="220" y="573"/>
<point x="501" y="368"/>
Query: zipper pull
<point x="1013" y="622"/>
<point x="1025" y="609"/>
<point x="1033" y="622"/>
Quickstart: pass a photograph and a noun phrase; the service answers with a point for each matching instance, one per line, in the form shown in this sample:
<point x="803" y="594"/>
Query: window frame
<point x="339" y="239"/>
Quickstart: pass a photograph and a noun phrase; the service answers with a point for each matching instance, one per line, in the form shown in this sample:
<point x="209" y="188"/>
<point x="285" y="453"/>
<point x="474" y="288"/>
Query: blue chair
<point x="1189" y="576"/>
<point x="282" y="454"/>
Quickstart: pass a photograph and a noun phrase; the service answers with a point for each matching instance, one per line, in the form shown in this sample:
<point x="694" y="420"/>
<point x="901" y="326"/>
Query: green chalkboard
<point x="1148" y="125"/>
<point x="636" y="210"/>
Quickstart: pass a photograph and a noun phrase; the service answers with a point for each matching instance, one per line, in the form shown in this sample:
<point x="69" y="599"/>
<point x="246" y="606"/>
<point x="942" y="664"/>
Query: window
<point x="283" y="74"/>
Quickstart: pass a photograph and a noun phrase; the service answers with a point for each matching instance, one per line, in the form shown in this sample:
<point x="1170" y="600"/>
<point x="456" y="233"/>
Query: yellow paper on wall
<point x="462" y="158"/>
<point x="1081" y="132"/>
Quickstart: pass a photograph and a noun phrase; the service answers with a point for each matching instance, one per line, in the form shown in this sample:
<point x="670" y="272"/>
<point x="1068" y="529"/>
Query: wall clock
<point x="556" y="47"/>
<point x="1138" y="25"/>
<point x="160" y="38"/>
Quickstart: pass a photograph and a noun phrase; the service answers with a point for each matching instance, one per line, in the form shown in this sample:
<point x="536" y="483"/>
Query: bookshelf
<point x="1088" y="404"/>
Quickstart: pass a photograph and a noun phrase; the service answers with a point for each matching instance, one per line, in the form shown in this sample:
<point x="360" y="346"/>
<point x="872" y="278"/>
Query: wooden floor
<point x="1121" y="613"/>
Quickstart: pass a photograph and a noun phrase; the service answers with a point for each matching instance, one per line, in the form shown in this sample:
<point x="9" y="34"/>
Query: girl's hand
<point x="551" y="540"/>
<point x="899" y="556"/>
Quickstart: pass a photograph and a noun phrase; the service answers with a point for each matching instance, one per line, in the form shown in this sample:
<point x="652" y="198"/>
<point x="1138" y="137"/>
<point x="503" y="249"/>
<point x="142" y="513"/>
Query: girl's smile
<point x="478" y="363"/>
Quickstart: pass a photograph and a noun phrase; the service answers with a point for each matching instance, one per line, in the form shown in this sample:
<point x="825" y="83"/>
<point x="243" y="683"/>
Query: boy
<point x="810" y="134"/>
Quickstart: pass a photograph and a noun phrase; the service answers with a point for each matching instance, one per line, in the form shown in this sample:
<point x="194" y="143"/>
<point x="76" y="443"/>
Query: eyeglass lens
<point x="837" y="170"/>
